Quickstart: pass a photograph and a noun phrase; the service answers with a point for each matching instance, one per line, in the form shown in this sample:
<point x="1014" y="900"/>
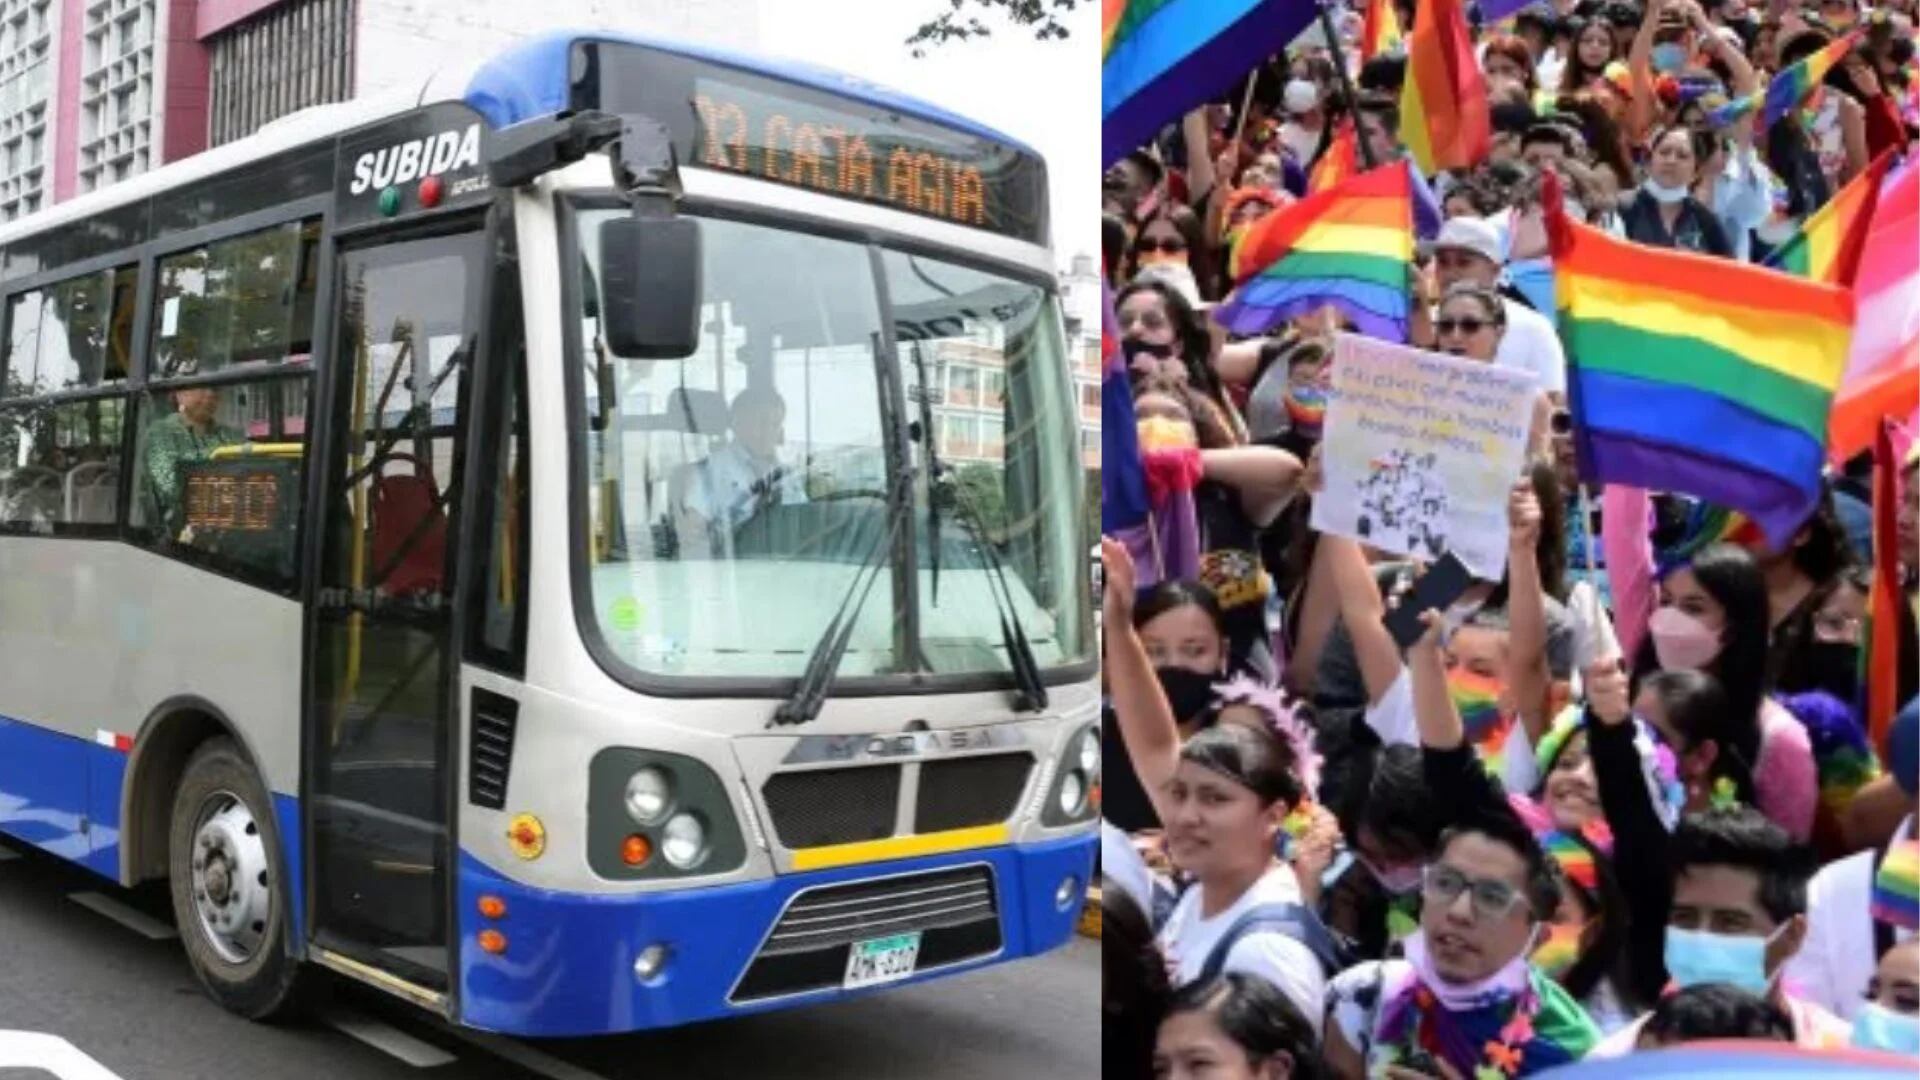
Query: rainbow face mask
<point x="1559" y="947"/>
<point x="1477" y="699"/>
<point x="1306" y="408"/>
<point x="1158" y="433"/>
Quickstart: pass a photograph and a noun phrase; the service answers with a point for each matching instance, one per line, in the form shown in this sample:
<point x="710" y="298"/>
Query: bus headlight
<point x="1071" y="799"/>
<point x="649" y="793"/>
<point x="684" y="841"/>
<point x="1073" y="792"/>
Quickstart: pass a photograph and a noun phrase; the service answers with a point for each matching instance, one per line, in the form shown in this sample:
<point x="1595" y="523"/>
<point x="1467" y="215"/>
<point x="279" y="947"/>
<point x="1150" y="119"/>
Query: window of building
<point x="993" y="383"/>
<point x="963" y="385"/>
<point x="244" y="300"/>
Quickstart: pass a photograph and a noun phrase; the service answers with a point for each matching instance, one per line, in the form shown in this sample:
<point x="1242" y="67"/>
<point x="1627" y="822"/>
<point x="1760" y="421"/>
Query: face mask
<point x="1132" y="347"/>
<point x="1477" y="699"/>
<point x="1662" y="194"/>
<point x="1510" y="980"/>
<point x="1306" y="408"/>
<point x="1558" y="949"/>
<point x="1699" y="956"/>
<point x="1876" y="1027"/>
<point x="1834" y="666"/>
<point x="1163" y="433"/>
<point x="1398" y="882"/>
<point x="1669" y="57"/>
<point x="1189" y="693"/>
<point x="1681" y="641"/>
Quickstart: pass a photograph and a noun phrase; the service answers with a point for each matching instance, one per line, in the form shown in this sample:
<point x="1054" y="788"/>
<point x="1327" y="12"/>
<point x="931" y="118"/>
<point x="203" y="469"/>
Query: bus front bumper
<point x="568" y="965"/>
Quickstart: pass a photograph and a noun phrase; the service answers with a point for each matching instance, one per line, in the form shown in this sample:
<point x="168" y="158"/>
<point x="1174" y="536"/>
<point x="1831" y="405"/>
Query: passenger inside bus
<point x="741" y="478"/>
<point x="186" y="436"/>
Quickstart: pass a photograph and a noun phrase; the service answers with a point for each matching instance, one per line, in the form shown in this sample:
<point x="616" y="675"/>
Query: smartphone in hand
<point x="1439" y="587"/>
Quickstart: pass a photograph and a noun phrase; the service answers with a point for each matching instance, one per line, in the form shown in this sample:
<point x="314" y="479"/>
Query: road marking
<point x="391" y="1040"/>
<point x="49" y="1053"/>
<point x="137" y="921"/>
<point x="534" y="1061"/>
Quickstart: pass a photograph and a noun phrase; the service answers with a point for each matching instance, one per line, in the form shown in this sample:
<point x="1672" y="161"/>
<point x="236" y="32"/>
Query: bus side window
<point x="498" y="636"/>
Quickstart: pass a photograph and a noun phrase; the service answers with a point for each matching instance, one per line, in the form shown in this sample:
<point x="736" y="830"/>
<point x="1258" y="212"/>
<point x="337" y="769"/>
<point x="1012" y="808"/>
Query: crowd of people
<point x="1623" y="797"/>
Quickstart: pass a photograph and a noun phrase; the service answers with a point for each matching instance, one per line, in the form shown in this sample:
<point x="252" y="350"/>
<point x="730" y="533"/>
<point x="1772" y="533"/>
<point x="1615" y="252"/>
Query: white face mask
<point x="1662" y="194"/>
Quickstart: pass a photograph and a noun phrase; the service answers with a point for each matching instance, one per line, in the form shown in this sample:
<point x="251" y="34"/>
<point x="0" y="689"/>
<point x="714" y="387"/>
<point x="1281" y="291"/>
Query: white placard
<point x="1420" y="451"/>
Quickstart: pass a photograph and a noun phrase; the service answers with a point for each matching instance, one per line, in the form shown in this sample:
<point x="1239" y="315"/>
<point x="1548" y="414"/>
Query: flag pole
<point x="1346" y="84"/>
<point x="1246" y="104"/>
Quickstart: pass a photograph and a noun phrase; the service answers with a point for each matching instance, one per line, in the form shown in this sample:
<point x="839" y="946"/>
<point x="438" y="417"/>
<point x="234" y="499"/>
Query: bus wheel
<point x="229" y="883"/>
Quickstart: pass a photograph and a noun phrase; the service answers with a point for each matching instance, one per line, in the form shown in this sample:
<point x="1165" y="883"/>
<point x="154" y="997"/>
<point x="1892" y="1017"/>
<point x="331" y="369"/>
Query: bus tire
<point x="229" y="882"/>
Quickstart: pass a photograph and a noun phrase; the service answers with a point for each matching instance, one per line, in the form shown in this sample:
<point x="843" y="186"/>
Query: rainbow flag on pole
<point x="1883" y="370"/>
<point x="1694" y="374"/>
<point x="1123" y="479"/>
<point x="1380" y="30"/>
<point x="1349" y="246"/>
<point x="1830" y="242"/>
<point x="1444" y="118"/>
<point x="1792" y="86"/>
<point x="1160" y="58"/>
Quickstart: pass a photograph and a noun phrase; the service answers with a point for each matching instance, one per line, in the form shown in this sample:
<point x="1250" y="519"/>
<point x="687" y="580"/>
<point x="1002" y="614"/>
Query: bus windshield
<point x="734" y="494"/>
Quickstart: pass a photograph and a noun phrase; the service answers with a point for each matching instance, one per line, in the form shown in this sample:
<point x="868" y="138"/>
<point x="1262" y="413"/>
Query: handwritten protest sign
<point x="1420" y="450"/>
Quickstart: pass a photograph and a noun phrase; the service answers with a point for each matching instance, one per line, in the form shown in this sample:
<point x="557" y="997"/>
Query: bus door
<point x="385" y="648"/>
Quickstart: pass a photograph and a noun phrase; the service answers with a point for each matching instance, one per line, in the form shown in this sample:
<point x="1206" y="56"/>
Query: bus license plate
<point x="881" y="960"/>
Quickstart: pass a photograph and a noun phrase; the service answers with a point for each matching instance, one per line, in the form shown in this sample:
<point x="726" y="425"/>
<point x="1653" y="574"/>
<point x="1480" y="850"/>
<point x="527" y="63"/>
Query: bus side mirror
<point x="650" y="287"/>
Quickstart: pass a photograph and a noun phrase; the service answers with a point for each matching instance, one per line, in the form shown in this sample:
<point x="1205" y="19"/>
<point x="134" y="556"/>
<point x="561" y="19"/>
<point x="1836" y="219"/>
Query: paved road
<point x="131" y="1003"/>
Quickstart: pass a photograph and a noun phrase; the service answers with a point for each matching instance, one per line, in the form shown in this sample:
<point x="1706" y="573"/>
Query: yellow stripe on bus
<point x="899" y="847"/>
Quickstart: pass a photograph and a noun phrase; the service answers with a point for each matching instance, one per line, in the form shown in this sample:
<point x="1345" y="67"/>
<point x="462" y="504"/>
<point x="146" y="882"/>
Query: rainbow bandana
<point x="1896" y="888"/>
<point x="1575" y="861"/>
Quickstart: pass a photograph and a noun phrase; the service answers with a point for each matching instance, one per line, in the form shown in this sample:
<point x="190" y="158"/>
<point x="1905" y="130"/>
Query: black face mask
<point x="1834" y="666"/>
<point x="1132" y="347"/>
<point x="1190" y="693"/>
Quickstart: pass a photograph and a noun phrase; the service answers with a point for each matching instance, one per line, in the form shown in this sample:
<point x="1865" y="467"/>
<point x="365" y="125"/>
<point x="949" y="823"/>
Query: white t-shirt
<point x="1837" y="958"/>
<point x="730" y="486"/>
<point x="1291" y="967"/>
<point x="1530" y="344"/>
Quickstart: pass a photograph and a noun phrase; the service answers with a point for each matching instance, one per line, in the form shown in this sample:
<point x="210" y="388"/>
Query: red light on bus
<point x="493" y="907"/>
<point x="430" y="191"/>
<point x="493" y="941"/>
<point x="635" y="850"/>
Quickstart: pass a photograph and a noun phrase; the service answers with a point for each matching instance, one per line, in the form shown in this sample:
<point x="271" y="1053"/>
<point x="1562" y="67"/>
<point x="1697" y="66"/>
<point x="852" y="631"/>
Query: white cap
<point x="1301" y="96"/>
<point x="1477" y="235"/>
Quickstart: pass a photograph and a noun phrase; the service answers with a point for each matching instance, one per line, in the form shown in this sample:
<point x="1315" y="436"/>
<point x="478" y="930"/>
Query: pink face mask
<point x="1682" y="641"/>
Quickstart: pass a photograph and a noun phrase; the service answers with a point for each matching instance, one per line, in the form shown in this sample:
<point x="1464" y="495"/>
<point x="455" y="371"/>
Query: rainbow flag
<point x="1444" y="118"/>
<point x="1883" y="369"/>
<point x="1792" y="86"/>
<point x="1728" y="112"/>
<point x="1160" y="58"/>
<point x="1694" y="374"/>
<point x="1831" y="241"/>
<point x="1380" y="30"/>
<point x="1339" y="164"/>
<point x="1349" y="246"/>
<point x="1123" y="479"/>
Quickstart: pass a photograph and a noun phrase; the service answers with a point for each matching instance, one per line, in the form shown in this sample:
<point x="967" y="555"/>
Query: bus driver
<point x="187" y="436"/>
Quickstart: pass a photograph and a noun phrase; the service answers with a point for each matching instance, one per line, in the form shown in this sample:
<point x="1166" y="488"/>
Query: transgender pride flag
<point x="1123" y="480"/>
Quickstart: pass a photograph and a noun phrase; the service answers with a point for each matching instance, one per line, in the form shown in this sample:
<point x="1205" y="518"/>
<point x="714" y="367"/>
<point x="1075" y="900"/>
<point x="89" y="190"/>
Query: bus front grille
<point x="966" y="792"/>
<point x="955" y="911"/>
<point x="834" y="806"/>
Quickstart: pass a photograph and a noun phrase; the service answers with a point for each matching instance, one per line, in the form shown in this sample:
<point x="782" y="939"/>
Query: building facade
<point x="95" y="91"/>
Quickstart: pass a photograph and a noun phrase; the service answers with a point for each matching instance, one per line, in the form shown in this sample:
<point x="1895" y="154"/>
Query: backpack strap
<point x="1293" y="920"/>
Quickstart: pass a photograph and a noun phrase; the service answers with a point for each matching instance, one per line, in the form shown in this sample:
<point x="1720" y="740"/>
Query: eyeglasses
<point x="1443" y="885"/>
<point x="1172" y="245"/>
<point x="1468" y="326"/>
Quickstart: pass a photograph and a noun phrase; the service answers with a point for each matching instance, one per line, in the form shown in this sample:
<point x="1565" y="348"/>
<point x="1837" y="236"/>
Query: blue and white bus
<point x="589" y="543"/>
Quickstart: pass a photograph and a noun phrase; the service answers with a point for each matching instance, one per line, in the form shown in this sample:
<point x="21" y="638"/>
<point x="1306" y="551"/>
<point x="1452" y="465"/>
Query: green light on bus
<point x="389" y="201"/>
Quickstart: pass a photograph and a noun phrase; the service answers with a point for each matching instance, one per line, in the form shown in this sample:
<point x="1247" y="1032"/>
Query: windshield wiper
<point x="1030" y="691"/>
<point x="810" y="693"/>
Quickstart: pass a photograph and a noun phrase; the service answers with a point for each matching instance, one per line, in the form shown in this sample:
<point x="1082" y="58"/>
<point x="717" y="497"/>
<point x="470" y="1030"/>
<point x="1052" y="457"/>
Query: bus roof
<point x="525" y="81"/>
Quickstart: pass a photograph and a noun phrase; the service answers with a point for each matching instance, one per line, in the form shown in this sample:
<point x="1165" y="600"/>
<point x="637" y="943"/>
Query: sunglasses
<point x="1561" y="422"/>
<point x="1172" y="246"/>
<point x="1467" y="327"/>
